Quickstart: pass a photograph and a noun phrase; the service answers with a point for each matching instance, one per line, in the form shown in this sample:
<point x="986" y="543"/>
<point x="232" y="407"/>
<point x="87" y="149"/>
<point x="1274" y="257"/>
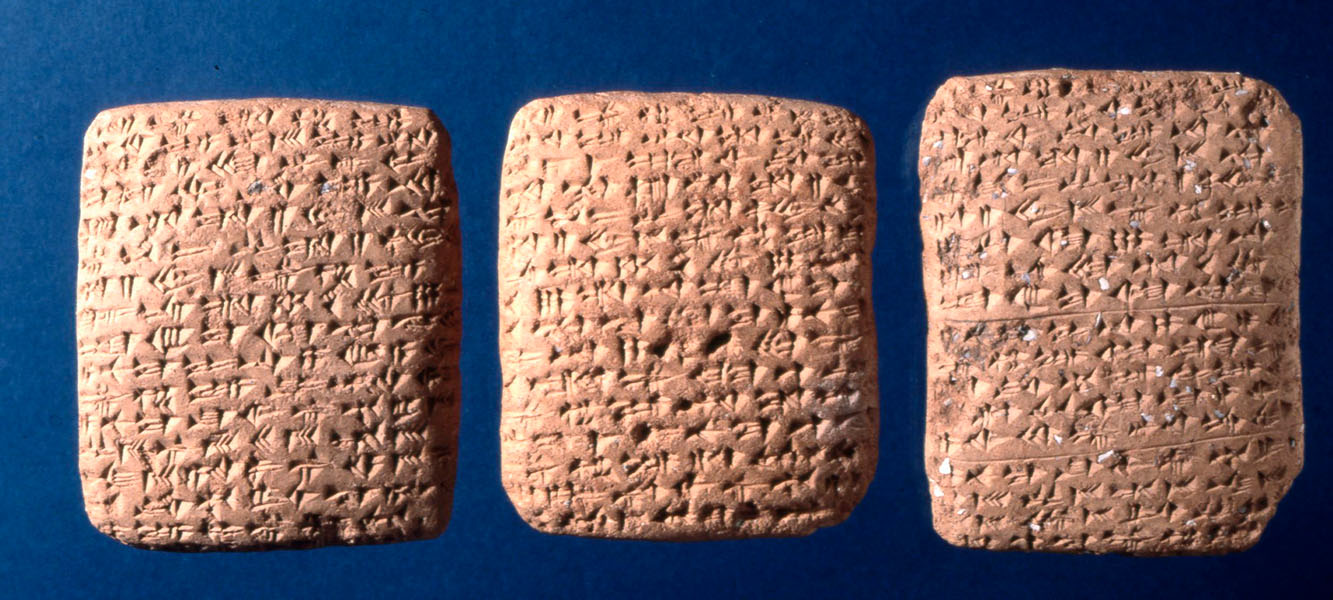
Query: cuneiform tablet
<point x="686" y="334"/>
<point x="1111" y="272"/>
<point x="268" y="298"/>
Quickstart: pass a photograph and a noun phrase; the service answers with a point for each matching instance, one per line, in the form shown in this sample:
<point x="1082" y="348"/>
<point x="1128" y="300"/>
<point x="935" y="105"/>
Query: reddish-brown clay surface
<point x="685" y="324"/>
<point x="1111" y="272"/>
<point x="268" y="298"/>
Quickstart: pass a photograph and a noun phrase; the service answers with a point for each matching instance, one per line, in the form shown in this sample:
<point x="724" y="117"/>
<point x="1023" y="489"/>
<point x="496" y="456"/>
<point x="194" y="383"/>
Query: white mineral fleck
<point x="925" y="161"/>
<point x="945" y="468"/>
<point x="935" y="489"/>
<point x="1105" y="455"/>
<point x="1030" y="335"/>
<point x="1124" y="110"/>
<point x="1034" y="526"/>
<point x="1198" y="189"/>
<point x="1011" y="171"/>
<point x="938" y="144"/>
<point x="1103" y="283"/>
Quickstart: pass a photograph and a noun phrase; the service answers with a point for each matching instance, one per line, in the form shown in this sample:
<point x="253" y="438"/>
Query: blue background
<point x="475" y="63"/>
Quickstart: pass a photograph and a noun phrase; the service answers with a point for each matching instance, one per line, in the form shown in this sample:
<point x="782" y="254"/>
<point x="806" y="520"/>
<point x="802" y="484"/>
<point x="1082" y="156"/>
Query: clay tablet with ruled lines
<point x="686" y="332"/>
<point x="1111" y="271"/>
<point x="268" y="298"/>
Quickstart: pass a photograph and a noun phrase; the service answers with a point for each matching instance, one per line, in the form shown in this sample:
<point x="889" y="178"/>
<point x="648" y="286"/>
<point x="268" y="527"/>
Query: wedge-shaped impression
<point x="686" y="333"/>
<point x="1111" y="272"/>
<point x="268" y="298"/>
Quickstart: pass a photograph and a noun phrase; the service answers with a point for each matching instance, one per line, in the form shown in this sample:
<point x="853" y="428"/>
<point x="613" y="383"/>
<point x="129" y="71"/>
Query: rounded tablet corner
<point x="520" y="508"/>
<point x="433" y="118"/>
<point x="861" y="128"/>
<point x="527" y="110"/>
<point x="1247" y="543"/>
<point x="834" y="518"/>
<point x="842" y="509"/>
<point x="100" y="120"/>
<point x="430" y="529"/>
<point x="1261" y="86"/>
<point x="103" y="527"/>
<point x="952" y="538"/>
<point x="948" y="89"/>
<point x="1284" y="111"/>
<point x="542" y="527"/>
<point x="107" y="529"/>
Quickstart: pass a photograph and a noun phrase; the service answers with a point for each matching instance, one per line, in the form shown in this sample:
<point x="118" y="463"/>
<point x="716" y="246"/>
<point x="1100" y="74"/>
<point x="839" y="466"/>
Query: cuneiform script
<point x="685" y="325"/>
<point x="268" y="301"/>
<point x="1111" y="269"/>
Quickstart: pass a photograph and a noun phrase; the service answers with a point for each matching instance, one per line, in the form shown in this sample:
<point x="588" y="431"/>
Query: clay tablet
<point x="1111" y="268"/>
<point x="686" y="332"/>
<point x="268" y="297"/>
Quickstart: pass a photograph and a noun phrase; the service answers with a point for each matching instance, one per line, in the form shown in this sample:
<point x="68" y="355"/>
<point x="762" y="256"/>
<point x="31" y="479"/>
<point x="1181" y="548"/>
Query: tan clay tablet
<point x="268" y="298"/>
<point x="686" y="332"/>
<point x="1111" y="268"/>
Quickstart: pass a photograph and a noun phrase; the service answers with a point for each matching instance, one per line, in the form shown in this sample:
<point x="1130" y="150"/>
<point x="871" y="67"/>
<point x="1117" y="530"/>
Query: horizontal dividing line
<point x="1115" y="311"/>
<point x="1220" y="438"/>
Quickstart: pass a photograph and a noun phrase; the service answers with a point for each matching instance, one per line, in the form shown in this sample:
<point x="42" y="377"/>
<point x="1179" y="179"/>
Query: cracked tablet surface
<point x="1111" y="270"/>
<point x="686" y="334"/>
<point x="268" y="298"/>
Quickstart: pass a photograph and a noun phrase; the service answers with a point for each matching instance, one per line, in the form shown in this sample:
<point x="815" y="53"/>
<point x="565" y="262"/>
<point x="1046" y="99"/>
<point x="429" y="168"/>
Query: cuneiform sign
<point x="686" y="334"/>
<point x="1111" y="272"/>
<point x="268" y="298"/>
